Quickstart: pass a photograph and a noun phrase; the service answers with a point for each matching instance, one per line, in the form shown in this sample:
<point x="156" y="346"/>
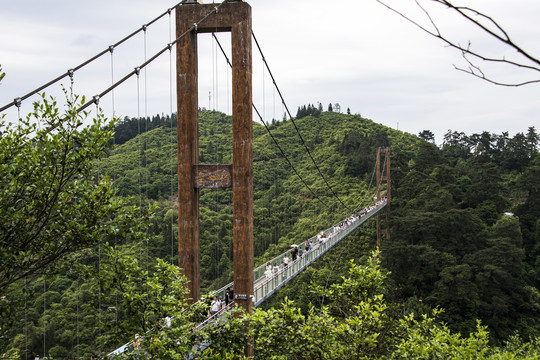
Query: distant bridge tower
<point x="380" y="179"/>
<point x="236" y="18"/>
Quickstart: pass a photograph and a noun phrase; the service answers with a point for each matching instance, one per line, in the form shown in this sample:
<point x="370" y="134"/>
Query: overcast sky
<point x="353" y="52"/>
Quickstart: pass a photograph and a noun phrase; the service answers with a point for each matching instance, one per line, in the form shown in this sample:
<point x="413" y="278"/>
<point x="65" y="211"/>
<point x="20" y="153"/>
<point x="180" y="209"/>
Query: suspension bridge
<point x="252" y="286"/>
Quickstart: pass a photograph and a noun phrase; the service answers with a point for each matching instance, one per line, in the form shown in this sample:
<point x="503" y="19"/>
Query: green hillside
<point x="465" y="237"/>
<point x="285" y="210"/>
<point x="447" y="210"/>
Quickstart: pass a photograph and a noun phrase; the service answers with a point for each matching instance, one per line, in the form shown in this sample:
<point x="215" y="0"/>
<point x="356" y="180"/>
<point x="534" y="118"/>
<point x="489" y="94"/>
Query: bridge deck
<point x="265" y="285"/>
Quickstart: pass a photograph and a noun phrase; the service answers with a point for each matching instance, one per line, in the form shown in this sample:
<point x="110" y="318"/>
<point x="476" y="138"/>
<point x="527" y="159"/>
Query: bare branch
<point x="468" y="14"/>
<point x="429" y="17"/>
<point x="505" y="39"/>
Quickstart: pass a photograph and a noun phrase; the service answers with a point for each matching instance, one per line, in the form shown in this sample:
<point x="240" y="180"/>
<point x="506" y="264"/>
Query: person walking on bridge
<point x="215" y="306"/>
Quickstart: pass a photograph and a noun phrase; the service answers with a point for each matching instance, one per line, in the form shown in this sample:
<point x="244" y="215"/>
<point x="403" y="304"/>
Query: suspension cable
<point x="137" y="69"/>
<point x="83" y="64"/>
<point x="275" y="141"/>
<point x="290" y="164"/>
<point x="294" y="123"/>
<point x="112" y="82"/>
<point x="381" y="176"/>
<point x="172" y="139"/>
<point x="369" y="187"/>
<point x="145" y="147"/>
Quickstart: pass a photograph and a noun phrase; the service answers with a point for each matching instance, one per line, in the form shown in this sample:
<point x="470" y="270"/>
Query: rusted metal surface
<point x="213" y="176"/>
<point x="228" y="14"/>
<point x="242" y="155"/>
<point x="188" y="155"/>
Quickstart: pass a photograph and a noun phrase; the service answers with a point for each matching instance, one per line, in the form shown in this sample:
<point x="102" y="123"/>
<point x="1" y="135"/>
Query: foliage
<point x="150" y="305"/>
<point x="451" y="247"/>
<point x="46" y="214"/>
<point x="366" y="328"/>
<point x="52" y="202"/>
<point x="310" y="110"/>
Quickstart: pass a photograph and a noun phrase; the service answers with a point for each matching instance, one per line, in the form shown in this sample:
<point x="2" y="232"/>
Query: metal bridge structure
<point x="265" y="285"/>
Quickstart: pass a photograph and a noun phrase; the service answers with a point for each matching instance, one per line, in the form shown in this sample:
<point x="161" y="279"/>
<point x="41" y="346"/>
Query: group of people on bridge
<point x="297" y="252"/>
<point x="218" y="303"/>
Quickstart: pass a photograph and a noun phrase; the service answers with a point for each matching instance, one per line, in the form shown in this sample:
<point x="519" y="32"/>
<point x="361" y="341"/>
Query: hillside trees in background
<point x="283" y="209"/>
<point x="447" y="215"/>
<point x="451" y="244"/>
<point x="360" y="148"/>
<point x="427" y="135"/>
<point x="509" y="153"/>
<point x="450" y="247"/>
<point x="529" y="217"/>
<point x="128" y="128"/>
<point x="310" y="110"/>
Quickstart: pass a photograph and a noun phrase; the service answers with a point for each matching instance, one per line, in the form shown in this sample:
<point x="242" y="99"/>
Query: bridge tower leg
<point x="380" y="179"/>
<point x="234" y="17"/>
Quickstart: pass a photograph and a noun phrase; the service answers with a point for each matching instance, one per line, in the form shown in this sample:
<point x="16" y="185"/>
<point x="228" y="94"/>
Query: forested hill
<point x="466" y="230"/>
<point x="451" y="246"/>
<point x="344" y="147"/>
<point x="465" y="227"/>
<point x="447" y="207"/>
<point x="465" y="236"/>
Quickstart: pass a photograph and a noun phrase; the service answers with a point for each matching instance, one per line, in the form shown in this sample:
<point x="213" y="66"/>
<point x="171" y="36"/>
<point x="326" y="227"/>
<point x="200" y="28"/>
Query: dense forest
<point x="465" y="231"/>
<point x="465" y="238"/>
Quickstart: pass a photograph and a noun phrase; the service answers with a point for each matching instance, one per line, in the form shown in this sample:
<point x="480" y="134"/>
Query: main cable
<point x="70" y="72"/>
<point x="137" y="69"/>
<point x="294" y="123"/>
<point x="290" y="164"/>
<point x="274" y="139"/>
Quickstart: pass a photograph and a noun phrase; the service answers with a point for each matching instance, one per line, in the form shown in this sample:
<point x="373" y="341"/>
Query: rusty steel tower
<point x="233" y="17"/>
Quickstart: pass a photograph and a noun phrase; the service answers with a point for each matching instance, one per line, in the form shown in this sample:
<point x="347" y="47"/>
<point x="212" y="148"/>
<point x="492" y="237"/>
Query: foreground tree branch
<point x="51" y="204"/>
<point x="489" y="26"/>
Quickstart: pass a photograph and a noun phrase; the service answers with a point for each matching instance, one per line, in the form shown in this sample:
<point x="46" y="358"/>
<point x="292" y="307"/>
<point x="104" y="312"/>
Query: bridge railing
<point x="332" y="238"/>
<point x="263" y="289"/>
<point x="259" y="272"/>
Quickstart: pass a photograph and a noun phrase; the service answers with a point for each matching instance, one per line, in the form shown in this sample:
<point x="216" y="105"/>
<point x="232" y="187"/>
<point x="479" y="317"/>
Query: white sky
<point x="352" y="52"/>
